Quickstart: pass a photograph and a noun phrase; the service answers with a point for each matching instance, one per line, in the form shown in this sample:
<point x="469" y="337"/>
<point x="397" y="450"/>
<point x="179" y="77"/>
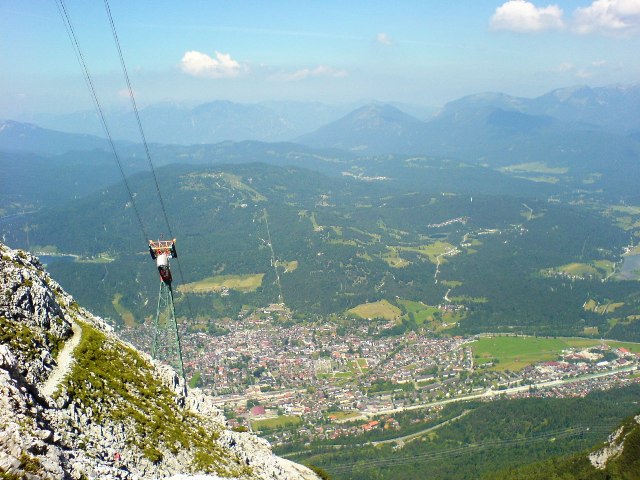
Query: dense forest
<point x="500" y="436"/>
<point x="351" y="242"/>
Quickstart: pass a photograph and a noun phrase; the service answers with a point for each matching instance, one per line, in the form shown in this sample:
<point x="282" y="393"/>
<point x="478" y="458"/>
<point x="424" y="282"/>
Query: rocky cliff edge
<point x="76" y="402"/>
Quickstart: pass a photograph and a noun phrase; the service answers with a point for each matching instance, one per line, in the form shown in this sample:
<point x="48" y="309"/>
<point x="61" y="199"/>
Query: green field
<point x="341" y="416"/>
<point x="542" y="179"/>
<point x="235" y="181"/>
<point x="626" y="216"/>
<point x="335" y="375"/>
<point x="288" y="266"/>
<point x="382" y="309"/>
<point x="242" y="283"/>
<point x="534" y="167"/>
<point x="337" y="241"/>
<point x="393" y="258"/>
<point x="466" y="299"/>
<point x="515" y="353"/>
<point x="596" y="269"/>
<point x="593" y="306"/>
<point x="431" y="251"/>
<point x="625" y="209"/>
<point x="431" y="316"/>
<point x="314" y="223"/>
<point x="358" y="365"/>
<point x="44" y="250"/>
<point x="421" y="312"/>
<point x="277" y="422"/>
<point x="577" y="269"/>
<point x="126" y="315"/>
<point x="536" y="172"/>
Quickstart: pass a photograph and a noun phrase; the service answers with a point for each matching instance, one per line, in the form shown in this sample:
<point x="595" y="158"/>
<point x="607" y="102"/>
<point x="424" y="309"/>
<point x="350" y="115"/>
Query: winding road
<point x="507" y="391"/>
<point x="401" y="441"/>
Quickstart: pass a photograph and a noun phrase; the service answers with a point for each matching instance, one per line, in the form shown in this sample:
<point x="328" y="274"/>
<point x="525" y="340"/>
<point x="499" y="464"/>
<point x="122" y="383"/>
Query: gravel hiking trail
<point x="64" y="360"/>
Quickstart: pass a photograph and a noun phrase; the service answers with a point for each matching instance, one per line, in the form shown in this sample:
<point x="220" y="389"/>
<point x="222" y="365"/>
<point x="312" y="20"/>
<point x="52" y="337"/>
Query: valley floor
<point x="307" y="382"/>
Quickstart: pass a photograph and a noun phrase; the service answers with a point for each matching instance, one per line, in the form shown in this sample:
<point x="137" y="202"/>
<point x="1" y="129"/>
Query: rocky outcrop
<point x="615" y="445"/>
<point x="78" y="403"/>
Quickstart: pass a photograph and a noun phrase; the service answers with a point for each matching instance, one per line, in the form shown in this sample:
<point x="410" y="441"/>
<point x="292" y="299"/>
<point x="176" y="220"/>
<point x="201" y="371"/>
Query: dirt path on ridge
<point x="64" y="360"/>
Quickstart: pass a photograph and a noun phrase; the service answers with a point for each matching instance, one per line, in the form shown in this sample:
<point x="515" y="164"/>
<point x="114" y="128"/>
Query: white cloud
<point x="617" y="17"/>
<point x="202" y="65"/>
<point x="384" y="39"/>
<point x="563" y="67"/>
<point x="319" y="71"/>
<point x="609" y="17"/>
<point x="585" y="71"/>
<point x="522" y="16"/>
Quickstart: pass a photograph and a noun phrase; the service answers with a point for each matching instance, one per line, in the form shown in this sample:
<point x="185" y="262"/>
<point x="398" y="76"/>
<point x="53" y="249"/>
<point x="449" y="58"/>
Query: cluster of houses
<point x="264" y="368"/>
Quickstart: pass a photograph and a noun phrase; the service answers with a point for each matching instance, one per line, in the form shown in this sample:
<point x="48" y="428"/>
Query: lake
<point x="49" y="259"/>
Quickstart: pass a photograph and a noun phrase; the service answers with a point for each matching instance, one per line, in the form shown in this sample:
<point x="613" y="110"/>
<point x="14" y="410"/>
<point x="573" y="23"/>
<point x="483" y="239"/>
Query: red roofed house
<point x="257" y="410"/>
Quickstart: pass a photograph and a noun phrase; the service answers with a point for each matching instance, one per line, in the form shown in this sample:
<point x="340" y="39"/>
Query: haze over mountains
<point x="612" y="109"/>
<point x="584" y="137"/>
<point x="210" y="122"/>
<point x="477" y="125"/>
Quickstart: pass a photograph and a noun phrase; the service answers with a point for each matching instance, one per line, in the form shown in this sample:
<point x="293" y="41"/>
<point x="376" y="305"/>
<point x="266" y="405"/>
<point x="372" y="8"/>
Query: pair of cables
<point x="66" y="18"/>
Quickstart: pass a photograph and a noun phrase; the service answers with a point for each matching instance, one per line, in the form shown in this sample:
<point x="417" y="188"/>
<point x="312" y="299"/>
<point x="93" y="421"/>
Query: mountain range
<point x="210" y="122"/>
<point x="26" y="137"/>
<point x="578" y="138"/>
<point x="612" y="108"/>
<point x="494" y="129"/>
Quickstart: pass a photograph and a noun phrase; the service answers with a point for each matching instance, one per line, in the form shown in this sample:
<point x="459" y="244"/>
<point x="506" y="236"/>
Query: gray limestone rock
<point x="93" y="424"/>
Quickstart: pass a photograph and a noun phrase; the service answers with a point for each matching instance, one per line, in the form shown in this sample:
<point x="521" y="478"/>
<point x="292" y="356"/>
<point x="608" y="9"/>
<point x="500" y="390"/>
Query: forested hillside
<point x="493" y="440"/>
<point x="505" y="260"/>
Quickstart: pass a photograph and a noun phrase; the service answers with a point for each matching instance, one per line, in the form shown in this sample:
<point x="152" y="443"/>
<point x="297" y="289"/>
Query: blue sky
<point x="421" y="52"/>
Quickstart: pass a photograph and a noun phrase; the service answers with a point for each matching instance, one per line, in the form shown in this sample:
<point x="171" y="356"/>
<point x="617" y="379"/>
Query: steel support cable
<point x="66" y="19"/>
<point x="456" y="451"/>
<point x="137" y="114"/>
<point x="144" y="140"/>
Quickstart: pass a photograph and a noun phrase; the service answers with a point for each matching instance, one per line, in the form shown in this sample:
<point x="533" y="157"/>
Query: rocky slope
<point x="620" y="456"/>
<point x="78" y="403"/>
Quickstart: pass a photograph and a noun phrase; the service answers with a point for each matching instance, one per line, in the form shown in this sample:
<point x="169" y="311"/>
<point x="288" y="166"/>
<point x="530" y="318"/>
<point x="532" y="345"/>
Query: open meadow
<point x="241" y="283"/>
<point x="516" y="353"/>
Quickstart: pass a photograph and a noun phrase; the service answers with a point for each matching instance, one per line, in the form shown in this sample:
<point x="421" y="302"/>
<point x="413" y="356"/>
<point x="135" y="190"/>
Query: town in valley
<point x="327" y="380"/>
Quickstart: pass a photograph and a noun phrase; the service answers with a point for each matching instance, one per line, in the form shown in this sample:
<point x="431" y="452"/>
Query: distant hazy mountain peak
<point x="384" y="109"/>
<point x="486" y="100"/>
<point x="371" y="127"/>
<point x="563" y="94"/>
<point x="381" y="111"/>
<point x="27" y="137"/>
<point x="10" y="124"/>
